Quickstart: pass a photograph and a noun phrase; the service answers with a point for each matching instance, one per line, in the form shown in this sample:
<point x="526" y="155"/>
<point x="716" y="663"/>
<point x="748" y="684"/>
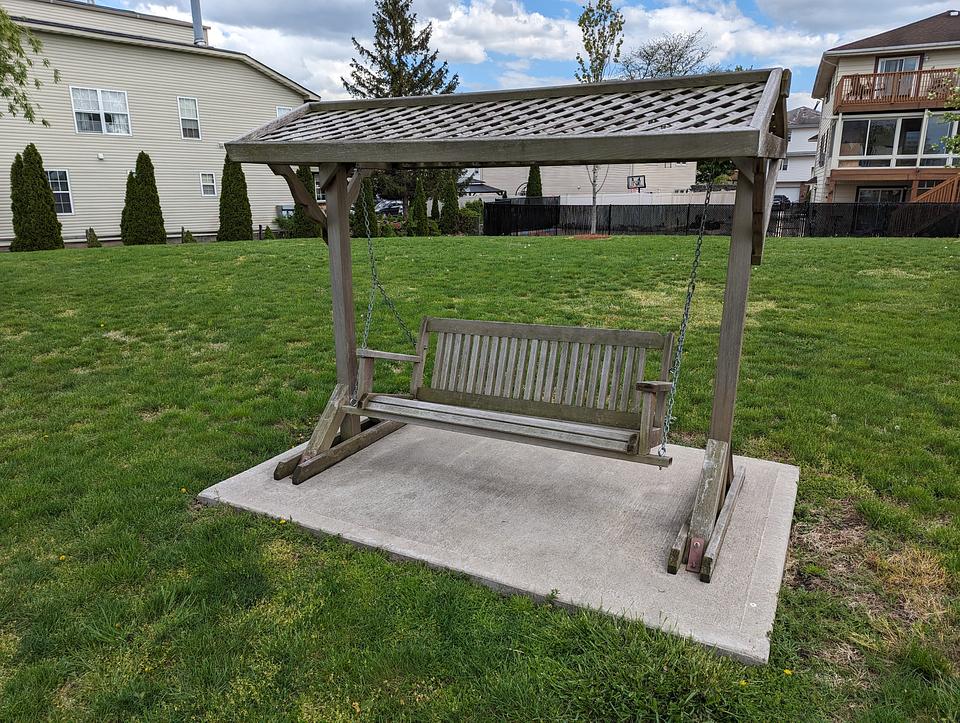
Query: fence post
<point x="260" y="232"/>
<point x="686" y="226"/>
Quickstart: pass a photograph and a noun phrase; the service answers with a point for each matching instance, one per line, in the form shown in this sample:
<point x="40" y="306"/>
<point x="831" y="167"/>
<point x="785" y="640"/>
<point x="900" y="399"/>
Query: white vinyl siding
<point x="234" y="98"/>
<point x="59" y="180"/>
<point x="189" y="118"/>
<point x="208" y="184"/>
<point x="100" y="111"/>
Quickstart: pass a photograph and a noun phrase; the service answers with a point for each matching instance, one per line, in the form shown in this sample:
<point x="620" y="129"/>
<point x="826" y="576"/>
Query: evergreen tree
<point x="141" y="221"/>
<point x="417" y="221"/>
<point x="128" y="234"/>
<point x="534" y="184"/>
<point x="302" y="226"/>
<point x="435" y="207"/>
<point x="399" y="63"/>
<point x="450" y="214"/>
<point x="36" y="226"/>
<point x="17" y="201"/>
<point x="236" y="220"/>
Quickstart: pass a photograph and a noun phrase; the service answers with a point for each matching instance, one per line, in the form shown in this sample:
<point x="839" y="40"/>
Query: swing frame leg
<point x="700" y="539"/>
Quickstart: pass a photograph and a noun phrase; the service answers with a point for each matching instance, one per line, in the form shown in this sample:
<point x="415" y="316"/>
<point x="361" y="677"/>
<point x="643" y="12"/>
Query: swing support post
<point x="698" y="542"/>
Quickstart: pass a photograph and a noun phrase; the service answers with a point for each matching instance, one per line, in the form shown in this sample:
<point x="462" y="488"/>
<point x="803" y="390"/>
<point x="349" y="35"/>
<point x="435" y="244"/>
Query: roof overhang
<point x="821" y="84"/>
<point x="46" y="26"/>
<point x="720" y="115"/>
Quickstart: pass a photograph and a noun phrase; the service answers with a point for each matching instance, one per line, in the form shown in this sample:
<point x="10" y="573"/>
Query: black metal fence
<point x="521" y="217"/>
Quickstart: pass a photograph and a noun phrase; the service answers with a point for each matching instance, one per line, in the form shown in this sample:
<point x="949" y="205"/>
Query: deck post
<point x="341" y="289"/>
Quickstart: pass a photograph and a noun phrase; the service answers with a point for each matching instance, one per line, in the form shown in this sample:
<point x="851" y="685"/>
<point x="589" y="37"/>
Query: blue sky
<point x="518" y="43"/>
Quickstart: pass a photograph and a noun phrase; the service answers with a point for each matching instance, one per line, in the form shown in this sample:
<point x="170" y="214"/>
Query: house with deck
<point x="133" y="82"/>
<point x="883" y="127"/>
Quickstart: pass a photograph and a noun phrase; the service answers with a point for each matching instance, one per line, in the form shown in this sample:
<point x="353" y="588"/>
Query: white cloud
<point x="473" y="30"/>
<point x="732" y="34"/>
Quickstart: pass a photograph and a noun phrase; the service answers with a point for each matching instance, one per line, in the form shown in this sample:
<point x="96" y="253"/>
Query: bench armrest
<point x="654" y="387"/>
<point x="374" y="354"/>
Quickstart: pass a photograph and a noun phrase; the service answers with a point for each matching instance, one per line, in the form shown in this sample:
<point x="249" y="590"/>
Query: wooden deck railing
<point x="915" y="89"/>
<point x="945" y="192"/>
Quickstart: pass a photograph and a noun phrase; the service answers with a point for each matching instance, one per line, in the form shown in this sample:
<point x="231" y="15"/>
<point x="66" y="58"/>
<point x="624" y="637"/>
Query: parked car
<point x="390" y="208"/>
<point x="781" y="202"/>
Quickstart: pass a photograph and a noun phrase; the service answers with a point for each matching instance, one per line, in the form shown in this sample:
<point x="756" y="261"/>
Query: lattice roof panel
<point x="719" y="115"/>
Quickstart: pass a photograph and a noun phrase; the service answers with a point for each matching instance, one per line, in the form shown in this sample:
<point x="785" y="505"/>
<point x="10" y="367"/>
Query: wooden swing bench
<point x="572" y="388"/>
<point x="567" y="388"/>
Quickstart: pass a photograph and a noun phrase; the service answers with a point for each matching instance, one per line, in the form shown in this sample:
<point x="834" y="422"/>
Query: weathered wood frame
<point x="755" y="148"/>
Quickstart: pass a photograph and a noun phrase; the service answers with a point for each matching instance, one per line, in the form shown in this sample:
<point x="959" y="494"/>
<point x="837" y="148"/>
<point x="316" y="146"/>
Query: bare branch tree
<point x="602" y="28"/>
<point x="668" y="56"/>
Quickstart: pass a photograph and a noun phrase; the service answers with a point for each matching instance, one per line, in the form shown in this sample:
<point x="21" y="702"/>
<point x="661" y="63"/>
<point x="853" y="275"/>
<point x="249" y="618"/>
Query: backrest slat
<point x="624" y="403"/>
<point x="551" y="373"/>
<point x="438" y="360"/>
<point x="500" y="373"/>
<point x="541" y="370"/>
<point x="605" y="376"/>
<point x="519" y="369"/>
<point x="482" y="365"/>
<point x="616" y="375"/>
<point x="455" y="362"/>
<point x="490" y="370"/>
<point x="582" y="376"/>
<point x="591" y="400"/>
<point x="570" y="385"/>
<point x="546" y="365"/>
<point x="561" y="373"/>
<point x="531" y="369"/>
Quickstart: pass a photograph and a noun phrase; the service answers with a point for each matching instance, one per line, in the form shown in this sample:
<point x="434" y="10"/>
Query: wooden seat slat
<point x="525" y="426"/>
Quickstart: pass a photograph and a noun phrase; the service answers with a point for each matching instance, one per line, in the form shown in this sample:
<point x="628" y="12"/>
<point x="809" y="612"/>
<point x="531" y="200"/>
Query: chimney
<point x="198" y="37"/>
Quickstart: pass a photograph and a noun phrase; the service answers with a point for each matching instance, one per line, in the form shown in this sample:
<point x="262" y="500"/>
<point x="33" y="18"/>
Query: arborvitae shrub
<point x="93" y="242"/>
<point x="36" y="226"/>
<point x="236" y="219"/>
<point x="534" y="184"/>
<point x="417" y="216"/>
<point x="451" y="208"/>
<point x="188" y="238"/>
<point x="435" y="208"/>
<point x="141" y="221"/>
<point x="268" y="234"/>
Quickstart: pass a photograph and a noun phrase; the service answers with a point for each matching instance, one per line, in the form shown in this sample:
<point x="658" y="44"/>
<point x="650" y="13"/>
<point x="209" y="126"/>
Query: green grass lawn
<point x="131" y="378"/>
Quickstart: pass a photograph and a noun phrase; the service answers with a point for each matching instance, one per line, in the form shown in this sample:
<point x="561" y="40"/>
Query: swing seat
<point x="572" y="388"/>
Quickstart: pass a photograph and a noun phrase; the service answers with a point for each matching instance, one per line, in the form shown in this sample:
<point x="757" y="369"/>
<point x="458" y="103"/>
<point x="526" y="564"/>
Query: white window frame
<point x="103" y="121"/>
<point x="287" y="108"/>
<point x="892" y="159"/>
<point x="214" y="184"/>
<point x="73" y="208"/>
<point x="181" y="119"/>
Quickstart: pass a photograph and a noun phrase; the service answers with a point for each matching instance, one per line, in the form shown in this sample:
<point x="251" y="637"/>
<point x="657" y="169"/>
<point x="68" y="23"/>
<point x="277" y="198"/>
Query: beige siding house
<point x="133" y="82"/>
<point x="573" y="182"/>
<point x="882" y="125"/>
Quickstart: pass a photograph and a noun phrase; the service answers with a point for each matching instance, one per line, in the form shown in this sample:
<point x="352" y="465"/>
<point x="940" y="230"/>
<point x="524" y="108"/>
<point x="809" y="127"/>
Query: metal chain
<point x="376" y="286"/>
<point x="681" y="337"/>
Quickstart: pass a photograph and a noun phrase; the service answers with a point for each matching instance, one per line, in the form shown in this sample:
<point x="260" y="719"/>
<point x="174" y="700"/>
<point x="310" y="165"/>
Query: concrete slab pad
<point x="533" y="520"/>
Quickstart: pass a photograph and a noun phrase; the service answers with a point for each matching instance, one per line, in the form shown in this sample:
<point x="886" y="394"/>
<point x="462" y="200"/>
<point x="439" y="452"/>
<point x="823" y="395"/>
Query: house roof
<point x="941" y="30"/>
<point x="93" y="7"/>
<point x="717" y="115"/>
<point x="803" y="117"/>
<point x="49" y="26"/>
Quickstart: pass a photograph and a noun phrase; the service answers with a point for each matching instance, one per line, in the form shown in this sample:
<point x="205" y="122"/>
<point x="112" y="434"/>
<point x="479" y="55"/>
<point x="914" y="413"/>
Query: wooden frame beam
<point x="301" y="195"/>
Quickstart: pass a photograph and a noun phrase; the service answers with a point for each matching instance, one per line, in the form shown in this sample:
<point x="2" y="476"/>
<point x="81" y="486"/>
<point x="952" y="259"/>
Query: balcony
<point x="905" y="90"/>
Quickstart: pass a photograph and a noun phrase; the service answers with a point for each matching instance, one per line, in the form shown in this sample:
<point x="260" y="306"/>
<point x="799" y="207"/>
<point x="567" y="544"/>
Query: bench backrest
<point x="563" y="372"/>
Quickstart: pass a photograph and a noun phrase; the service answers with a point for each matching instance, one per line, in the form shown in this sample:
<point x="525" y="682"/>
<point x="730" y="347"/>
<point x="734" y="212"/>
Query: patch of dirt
<point x="590" y="236"/>
<point x="67" y="313"/>
<point x="917" y="579"/>
<point x="216" y="345"/>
